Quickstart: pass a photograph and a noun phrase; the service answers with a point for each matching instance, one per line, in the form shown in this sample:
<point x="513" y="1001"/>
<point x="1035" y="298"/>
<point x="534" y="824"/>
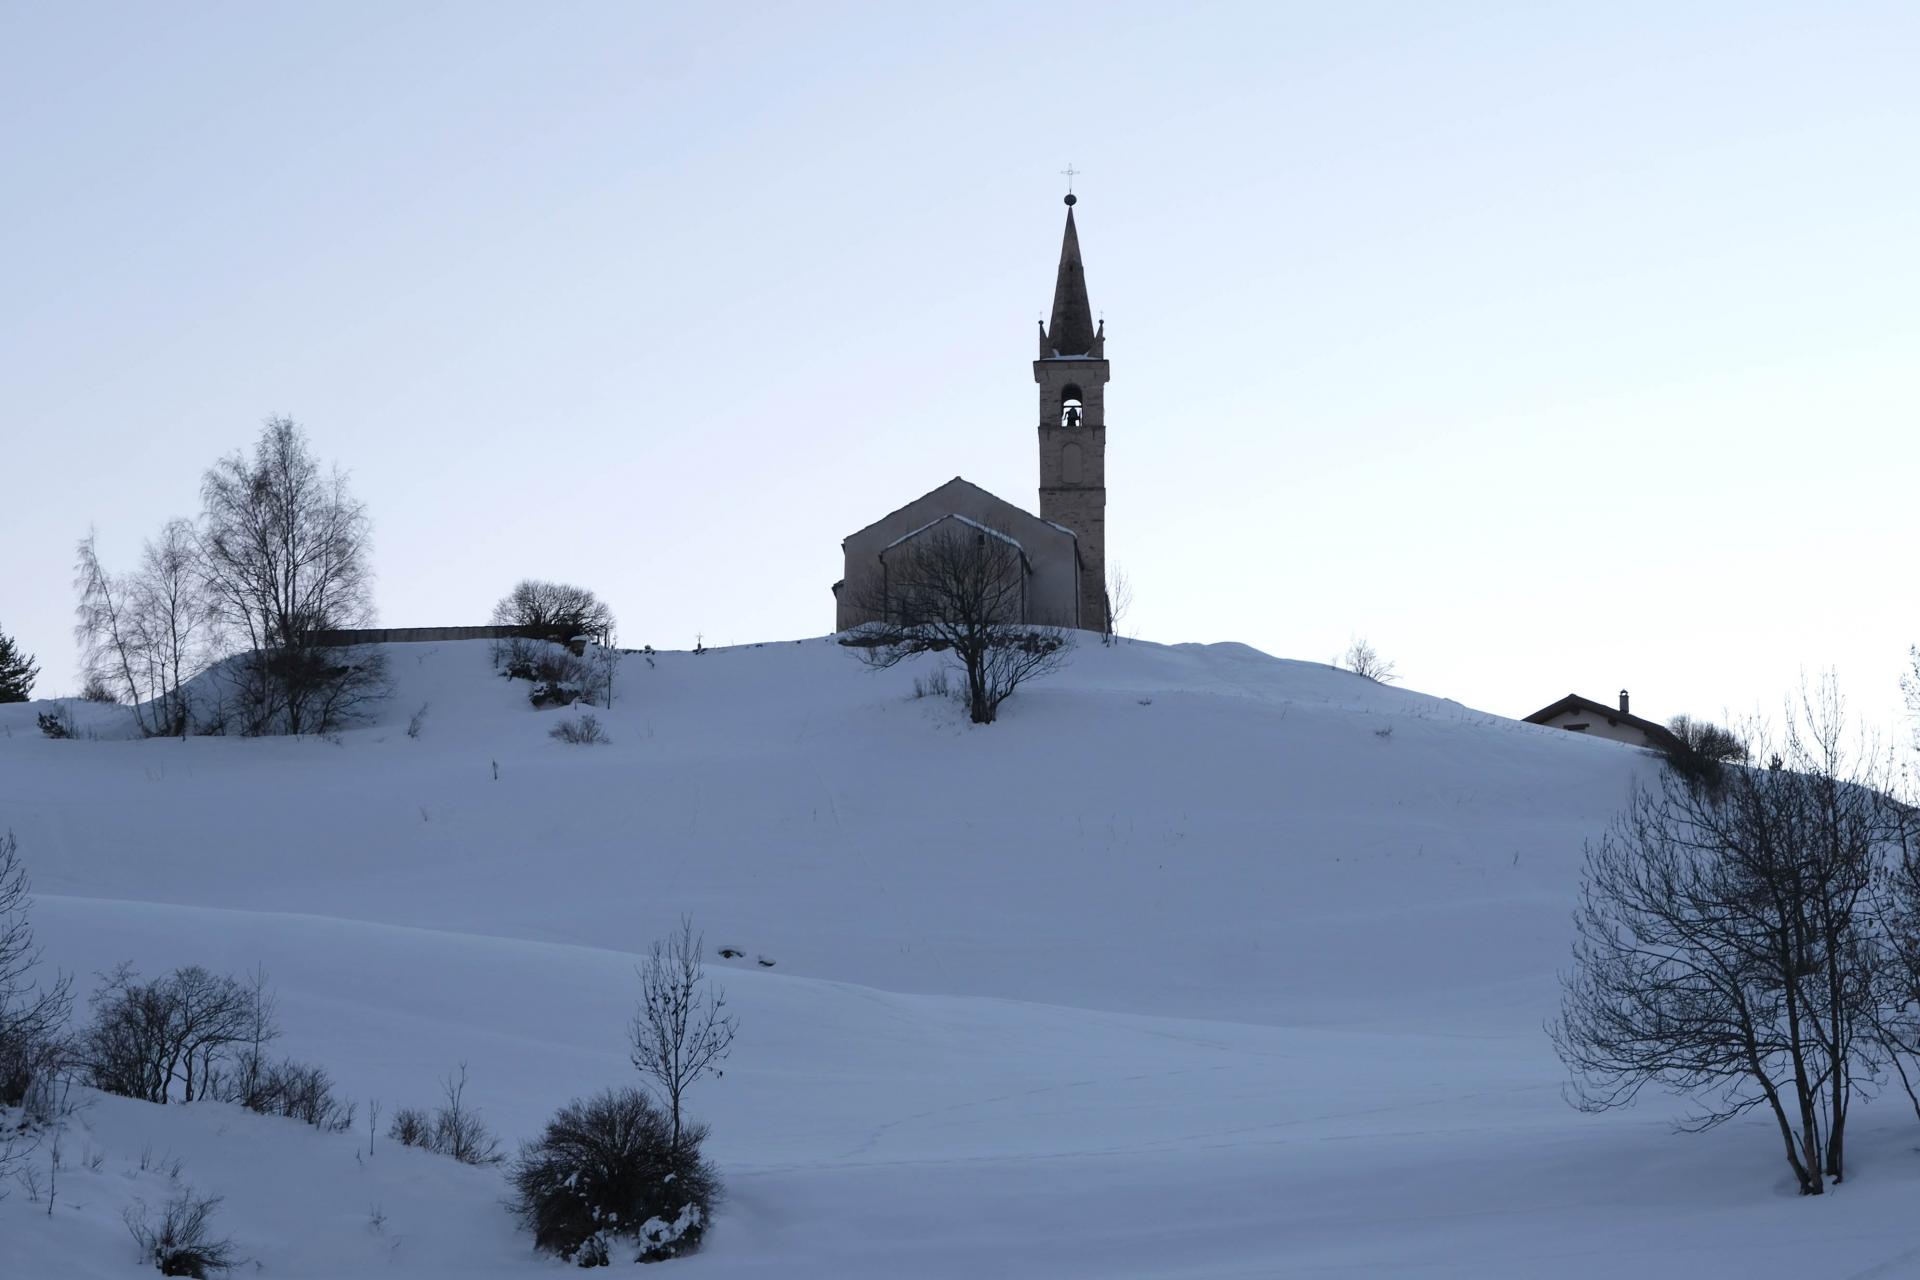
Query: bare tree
<point x="146" y="1037"/>
<point x="33" y="1013"/>
<point x="250" y="1080"/>
<point x="1119" y="602"/>
<point x="1896" y="908"/>
<point x="547" y="615"/>
<point x="1910" y="686"/>
<point x="285" y="552"/>
<point x="172" y="618"/>
<point x="458" y="1130"/>
<point x="605" y="661"/>
<point x="965" y="596"/>
<point x="1725" y="946"/>
<point x="561" y="609"/>
<point x="104" y="626"/>
<point x="144" y="634"/>
<point x="1363" y="659"/>
<point x="681" y="1031"/>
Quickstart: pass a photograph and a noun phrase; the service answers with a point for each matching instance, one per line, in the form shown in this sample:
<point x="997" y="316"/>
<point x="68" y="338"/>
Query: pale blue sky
<point x="1551" y="346"/>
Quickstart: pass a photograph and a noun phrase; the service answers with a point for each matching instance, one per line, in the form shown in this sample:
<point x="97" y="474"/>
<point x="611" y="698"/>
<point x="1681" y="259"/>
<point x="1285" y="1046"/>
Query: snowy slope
<point x="1198" y="963"/>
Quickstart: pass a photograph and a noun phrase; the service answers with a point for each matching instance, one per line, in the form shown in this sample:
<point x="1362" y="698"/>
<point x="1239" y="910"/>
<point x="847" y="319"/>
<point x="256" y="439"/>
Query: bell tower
<point x="1072" y="373"/>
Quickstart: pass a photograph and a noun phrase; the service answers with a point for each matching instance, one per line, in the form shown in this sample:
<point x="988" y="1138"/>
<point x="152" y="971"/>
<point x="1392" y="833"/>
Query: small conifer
<point x="17" y="670"/>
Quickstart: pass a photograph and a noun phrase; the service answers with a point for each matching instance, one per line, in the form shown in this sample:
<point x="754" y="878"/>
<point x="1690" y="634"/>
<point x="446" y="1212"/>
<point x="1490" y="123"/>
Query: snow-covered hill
<point x="1199" y="963"/>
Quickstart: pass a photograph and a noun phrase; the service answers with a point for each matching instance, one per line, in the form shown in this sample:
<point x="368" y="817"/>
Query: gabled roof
<point x="974" y="524"/>
<point x="1014" y="514"/>
<point x="1657" y="734"/>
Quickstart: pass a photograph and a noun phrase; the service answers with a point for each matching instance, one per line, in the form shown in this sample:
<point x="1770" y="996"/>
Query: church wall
<point x="1051" y="553"/>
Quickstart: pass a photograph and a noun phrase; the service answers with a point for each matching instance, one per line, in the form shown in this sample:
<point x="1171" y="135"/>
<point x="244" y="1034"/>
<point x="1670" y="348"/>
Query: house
<point x="1586" y="715"/>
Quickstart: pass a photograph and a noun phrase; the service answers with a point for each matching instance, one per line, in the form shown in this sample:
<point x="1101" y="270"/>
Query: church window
<point x="1070" y="406"/>
<point x="1072" y="465"/>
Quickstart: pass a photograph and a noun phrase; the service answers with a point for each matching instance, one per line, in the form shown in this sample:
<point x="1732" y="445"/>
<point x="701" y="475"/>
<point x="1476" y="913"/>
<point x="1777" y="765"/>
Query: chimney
<point x="1623" y="702"/>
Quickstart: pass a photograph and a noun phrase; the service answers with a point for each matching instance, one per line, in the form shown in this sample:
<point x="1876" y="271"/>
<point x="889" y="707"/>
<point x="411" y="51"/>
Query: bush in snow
<point x="451" y="1129"/>
<point x="181" y="1243"/>
<point x="300" y="1091"/>
<point x="411" y="1127"/>
<point x="1363" y="659"/>
<point x="57" y="723"/>
<point x="1700" y="751"/>
<point x="607" y="1171"/>
<point x="557" y="693"/>
<point x="561" y="679"/>
<point x="581" y="731"/>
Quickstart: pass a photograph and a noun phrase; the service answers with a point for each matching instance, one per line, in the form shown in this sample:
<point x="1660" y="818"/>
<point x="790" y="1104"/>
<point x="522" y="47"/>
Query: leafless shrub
<point x="457" y="1128"/>
<point x="417" y="721"/>
<point x="1701" y="751"/>
<point x="1363" y="659"/>
<point x="452" y="1129"/>
<point x="411" y="1127"/>
<point x="297" y="1090"/>
<point x="581" y="730"/>
<point x="1119" y="602"/>
<point x="182" y="1242"/>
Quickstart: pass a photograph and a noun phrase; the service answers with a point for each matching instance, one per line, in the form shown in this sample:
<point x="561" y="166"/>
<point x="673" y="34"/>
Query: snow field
<point x="1200" y="963"/>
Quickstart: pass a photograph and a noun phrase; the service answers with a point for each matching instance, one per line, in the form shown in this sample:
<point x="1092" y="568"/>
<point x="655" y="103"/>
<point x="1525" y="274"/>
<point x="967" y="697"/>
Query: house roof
<point x="1657" y="734"/>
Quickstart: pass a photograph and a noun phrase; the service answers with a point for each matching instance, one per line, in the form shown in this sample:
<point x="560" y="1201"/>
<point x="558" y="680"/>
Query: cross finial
<point x="1070" y="173"/>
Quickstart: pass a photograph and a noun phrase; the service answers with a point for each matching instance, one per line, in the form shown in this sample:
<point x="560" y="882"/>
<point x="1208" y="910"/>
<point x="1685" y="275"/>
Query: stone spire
<point x="1072" y="332"/>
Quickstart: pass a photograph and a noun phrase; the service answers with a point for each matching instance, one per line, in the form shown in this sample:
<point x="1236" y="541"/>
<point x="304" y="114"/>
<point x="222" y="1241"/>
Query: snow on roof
<point x="954" y="515"/>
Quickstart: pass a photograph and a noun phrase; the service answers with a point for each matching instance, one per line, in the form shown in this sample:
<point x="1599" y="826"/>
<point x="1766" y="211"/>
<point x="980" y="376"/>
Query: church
<point x="1062" y="551"/>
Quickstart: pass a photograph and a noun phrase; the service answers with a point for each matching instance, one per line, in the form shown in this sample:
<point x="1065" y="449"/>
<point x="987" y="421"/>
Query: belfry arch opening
<point x="1071" y="405"/>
